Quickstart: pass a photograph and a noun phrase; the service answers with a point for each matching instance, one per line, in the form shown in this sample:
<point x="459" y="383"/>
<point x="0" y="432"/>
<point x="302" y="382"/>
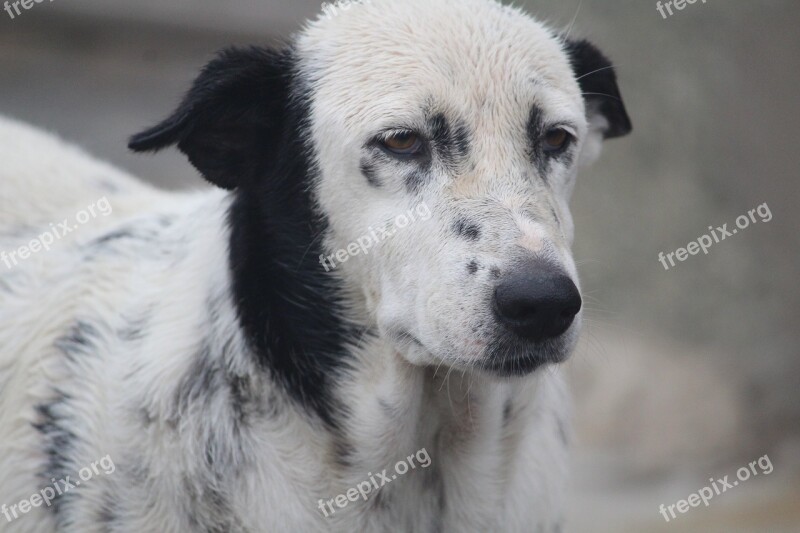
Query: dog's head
<point x="440" y="141"/>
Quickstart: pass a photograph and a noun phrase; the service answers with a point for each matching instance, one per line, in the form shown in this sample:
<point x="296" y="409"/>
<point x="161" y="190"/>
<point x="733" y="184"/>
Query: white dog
<point x="382" y="278"/>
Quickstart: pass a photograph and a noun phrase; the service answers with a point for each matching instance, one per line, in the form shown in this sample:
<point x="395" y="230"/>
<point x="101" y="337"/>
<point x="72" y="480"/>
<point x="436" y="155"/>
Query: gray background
<point x="683" y="374"/>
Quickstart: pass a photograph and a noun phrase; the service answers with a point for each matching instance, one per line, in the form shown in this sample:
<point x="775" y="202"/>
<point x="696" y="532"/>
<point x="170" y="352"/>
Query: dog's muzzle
<point x="535" y="304"/>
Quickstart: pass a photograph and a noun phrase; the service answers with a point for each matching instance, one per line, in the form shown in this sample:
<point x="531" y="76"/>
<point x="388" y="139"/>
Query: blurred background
<point x="682" y="375"/>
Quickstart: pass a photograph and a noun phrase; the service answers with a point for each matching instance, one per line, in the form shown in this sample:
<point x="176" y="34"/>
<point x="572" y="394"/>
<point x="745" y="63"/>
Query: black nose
<point x="537" y="301"/>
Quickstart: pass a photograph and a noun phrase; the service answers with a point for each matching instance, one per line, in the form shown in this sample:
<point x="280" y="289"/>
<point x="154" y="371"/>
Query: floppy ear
<point x="598" y="83"/>
<point x="231" y="118"/>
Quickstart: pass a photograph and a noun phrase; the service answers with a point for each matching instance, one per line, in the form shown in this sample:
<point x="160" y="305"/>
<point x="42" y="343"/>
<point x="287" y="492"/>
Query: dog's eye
<point x="556" y="140"/>
<point x="403" y="143"/>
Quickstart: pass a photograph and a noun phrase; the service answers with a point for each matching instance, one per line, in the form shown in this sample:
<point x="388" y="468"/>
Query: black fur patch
<point x="55" y="420"/>
<point x="416" y="179"/>
<point x="452" y="143"/>
<point x="541" y="158"/>
<point x="231" y="118"/>
<point x="59" y="442"/>
<point x="467" y="229"/>
<point x="287" y="304"/>
<point x="472" y="267"/>
<point x="449" y="143"/>
<point x="113" y="236"/>
<point x="204" y="380"/>
<point x="78" y="341"/>
<point x="242" y="125"/>
<point x="598" y="82"/>
<point x="209" y="379"/>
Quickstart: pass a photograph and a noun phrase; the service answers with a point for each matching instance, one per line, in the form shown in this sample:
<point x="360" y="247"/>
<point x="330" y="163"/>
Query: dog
<point x="210" y="361"/>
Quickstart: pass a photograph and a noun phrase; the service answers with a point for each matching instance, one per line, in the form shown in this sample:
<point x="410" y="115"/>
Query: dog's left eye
<point x="403" y="143"/>
<point x="556" y="140"/>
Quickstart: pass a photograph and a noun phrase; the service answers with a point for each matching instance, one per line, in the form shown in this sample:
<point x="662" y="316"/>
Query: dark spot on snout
<point x="468" y="230"/>
<point x="472" y="267"/>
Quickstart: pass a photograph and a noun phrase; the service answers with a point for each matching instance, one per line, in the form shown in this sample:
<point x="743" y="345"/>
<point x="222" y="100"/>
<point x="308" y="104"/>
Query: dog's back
<point x="44" y="178"/>
<point x="51" y="279"/>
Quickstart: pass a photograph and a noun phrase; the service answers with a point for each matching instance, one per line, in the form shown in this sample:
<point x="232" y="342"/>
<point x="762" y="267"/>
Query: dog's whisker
<point x="569" y="29"/>
<point x="602" y="94"/>
<point x="610" y="67"/>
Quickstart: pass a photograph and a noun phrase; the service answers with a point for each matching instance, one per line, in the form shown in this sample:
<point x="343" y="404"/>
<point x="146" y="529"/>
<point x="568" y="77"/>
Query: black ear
<point x="230" y="118"/>
<point x="598" y="82"/>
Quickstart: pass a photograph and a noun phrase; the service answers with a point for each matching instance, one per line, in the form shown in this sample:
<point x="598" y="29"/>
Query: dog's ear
<point x="232" y="117"/>
<point x="598" y="83"/>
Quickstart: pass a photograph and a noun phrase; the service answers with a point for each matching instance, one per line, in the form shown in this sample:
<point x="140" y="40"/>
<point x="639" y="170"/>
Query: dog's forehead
<point x="371" y="60"/>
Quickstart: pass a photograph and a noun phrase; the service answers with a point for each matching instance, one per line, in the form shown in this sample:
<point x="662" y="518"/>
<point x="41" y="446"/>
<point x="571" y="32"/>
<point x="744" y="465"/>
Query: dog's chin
<point x="509" y="357"/>
<point x="506" y="356"/>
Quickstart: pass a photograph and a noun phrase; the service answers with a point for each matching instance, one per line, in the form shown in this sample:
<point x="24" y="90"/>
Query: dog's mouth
<point x="526" y="362"/>
<point x="507" y="355"/>
<point x="504" y="357"/>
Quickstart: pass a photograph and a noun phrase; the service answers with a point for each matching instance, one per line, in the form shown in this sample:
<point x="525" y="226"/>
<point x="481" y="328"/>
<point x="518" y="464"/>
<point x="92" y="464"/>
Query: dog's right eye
<point x="556" y="140"/>
<point x="403" y="143"/>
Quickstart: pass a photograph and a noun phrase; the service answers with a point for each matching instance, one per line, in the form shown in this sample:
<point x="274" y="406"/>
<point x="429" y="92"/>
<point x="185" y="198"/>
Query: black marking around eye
<point x="416" y="179"/>
<point x="536" y="129"/>
<point x="467" y="229"/>
<point x="369" y="171"/>
<point x="451" y="141"/>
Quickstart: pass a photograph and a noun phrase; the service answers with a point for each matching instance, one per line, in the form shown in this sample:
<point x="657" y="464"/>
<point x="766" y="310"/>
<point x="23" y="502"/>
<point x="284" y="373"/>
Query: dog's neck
<point x="289" y="310"/>
<point x="403" y="407"/>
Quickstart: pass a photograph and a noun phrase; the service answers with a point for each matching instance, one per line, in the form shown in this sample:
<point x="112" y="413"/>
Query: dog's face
<point x="444" y="138"/>
<point x="469" y="112"/>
